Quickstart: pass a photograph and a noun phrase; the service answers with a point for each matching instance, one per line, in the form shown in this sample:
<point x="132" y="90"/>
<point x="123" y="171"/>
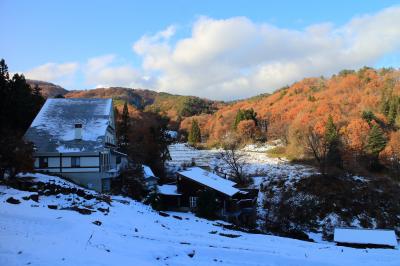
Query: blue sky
<point x="153" y="44"/>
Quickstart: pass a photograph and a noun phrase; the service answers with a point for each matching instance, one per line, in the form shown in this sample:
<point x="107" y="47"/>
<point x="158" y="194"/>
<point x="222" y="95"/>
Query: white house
<point x="75" y="138"/>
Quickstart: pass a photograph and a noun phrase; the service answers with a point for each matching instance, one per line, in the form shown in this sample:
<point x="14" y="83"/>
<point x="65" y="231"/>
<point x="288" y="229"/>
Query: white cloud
<point x="235" y="57"/>
<point x="106" y="71"/>
<point x="53" y="71"/>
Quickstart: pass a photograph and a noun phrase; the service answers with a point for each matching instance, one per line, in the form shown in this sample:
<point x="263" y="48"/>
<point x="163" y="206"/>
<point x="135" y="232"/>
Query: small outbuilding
<point x="150" y="178"/>
<point x="233" y="203"/>
<point x="365" y="238"/>
<point x="170" y="197"/>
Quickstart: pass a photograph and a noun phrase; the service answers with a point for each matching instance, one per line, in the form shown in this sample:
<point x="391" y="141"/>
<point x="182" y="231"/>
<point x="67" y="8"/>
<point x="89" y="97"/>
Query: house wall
<point x="90" y="180"/>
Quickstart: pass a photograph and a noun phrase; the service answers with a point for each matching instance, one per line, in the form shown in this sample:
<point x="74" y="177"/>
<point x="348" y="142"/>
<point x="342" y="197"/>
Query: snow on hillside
<point x="257" y="164"/>
<point x="130" y="233"/>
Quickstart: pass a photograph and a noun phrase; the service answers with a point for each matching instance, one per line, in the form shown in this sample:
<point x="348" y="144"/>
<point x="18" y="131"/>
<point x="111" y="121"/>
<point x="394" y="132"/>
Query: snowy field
<point x="257" y="163"/>
<point x="132" y="234"/>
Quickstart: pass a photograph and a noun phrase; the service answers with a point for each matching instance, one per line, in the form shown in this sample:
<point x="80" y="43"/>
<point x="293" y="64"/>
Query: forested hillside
<point x="47" y="89"/>
<point x="363" y="106"/>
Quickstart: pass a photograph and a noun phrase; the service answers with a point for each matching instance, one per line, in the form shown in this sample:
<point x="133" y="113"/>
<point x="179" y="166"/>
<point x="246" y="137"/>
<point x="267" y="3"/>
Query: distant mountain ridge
<point x="173" y="106"/>
<point x="49" y="90"/>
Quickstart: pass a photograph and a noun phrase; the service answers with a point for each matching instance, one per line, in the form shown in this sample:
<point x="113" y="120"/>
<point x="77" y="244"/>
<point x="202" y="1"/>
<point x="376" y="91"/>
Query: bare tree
<point x="234" y="159"/>
<point x="318" y="146"/>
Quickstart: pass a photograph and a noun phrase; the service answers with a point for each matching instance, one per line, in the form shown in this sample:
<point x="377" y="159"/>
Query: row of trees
<point x="360" y="144"/>
<point x="19" y="104"/>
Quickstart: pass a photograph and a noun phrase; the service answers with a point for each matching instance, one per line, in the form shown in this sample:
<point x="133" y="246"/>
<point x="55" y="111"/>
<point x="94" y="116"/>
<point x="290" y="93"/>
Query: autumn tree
<point x="247" y="129"/>
<point x="322" y="141"/>
<point x="148" y="141"/>
<point x="194" y="134"/>
<point x="391" y="154"/>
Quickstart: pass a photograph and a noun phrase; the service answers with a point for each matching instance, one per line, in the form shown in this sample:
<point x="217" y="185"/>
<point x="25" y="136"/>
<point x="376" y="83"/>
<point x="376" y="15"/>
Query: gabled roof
<point x="365" y="236"/>
<point x="147" y="172"/>
<point x="210" y="180"/>
<point x="53" y="128"/>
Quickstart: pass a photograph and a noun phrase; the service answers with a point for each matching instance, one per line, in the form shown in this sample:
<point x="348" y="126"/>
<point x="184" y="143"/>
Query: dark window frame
<point x="75" y="162"/>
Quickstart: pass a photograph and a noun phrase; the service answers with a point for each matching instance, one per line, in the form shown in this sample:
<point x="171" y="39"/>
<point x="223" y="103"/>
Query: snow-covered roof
<point x="211" y="180"/>
<point x="365" y="236"/>
<point x="169" y="190"/>
<point x="147" y="172"/>
<point x="54" y="127"/>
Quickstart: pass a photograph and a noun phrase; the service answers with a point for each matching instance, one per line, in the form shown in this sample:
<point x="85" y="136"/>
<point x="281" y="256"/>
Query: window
<point x="43" y="162"/>
<point x="75" y="162"/>
<point x="192" y="202"/>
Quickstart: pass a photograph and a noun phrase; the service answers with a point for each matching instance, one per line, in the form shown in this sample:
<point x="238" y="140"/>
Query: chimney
<point x="78" y="131"/>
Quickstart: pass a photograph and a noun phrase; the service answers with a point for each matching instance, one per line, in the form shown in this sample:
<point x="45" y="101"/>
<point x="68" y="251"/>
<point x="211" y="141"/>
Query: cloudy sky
<point x="225" y="50"/>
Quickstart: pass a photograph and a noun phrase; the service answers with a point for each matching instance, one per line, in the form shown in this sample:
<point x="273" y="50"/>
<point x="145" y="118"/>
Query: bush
<point x="154" y="200"/>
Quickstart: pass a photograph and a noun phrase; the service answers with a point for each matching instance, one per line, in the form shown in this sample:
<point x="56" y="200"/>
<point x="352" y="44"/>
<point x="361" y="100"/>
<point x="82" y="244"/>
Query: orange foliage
<point x="247" y="128"/>
<point x="356" y="133"/>
<point x="310" y="102"/>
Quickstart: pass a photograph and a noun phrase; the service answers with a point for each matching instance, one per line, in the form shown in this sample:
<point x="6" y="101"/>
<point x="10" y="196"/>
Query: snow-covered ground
<point x="132" y="234"/>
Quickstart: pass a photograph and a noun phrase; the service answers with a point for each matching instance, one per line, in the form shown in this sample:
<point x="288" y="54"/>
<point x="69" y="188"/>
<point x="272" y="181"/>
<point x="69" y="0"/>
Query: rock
<point x="229" y="235"/>
<point x="177" y="217"/>
<point x="98" y="223"/>
<point x="35" y="197"/>
<point x="163" y="214"/>
<point x="53" y="207"/>
<point x="191" y="254"/>
<point x="104" y="210"/>
<point x="11" y="200"/>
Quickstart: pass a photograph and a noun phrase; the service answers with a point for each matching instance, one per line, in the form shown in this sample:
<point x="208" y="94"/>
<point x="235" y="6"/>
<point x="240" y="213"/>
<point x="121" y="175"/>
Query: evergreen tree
<point x="19" y="105"/>
<point x="385" y="107"/>
<point x="247" y="114"/>
<point x="123" y="129"/>
<point x="368" y="116"/>
<point x="331" y="134"/>
<point x="376" y="141"/>
<point x="194" y="134"/>
<point x="392" y="114"/>
<point x="333" y="141"/>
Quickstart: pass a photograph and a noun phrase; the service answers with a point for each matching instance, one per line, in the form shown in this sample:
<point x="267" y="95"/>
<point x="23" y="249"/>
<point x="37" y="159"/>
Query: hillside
<point x="117" y="93"/>
<point x="345" y="96"/>
<point x="356" y="100"/>
<point x="79" y="227"/>
<point x="49" y="90"/>
<point x="173" y="106"/>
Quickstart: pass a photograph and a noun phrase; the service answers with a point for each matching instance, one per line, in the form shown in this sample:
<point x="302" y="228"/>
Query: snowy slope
<point x="132" y="234"/>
